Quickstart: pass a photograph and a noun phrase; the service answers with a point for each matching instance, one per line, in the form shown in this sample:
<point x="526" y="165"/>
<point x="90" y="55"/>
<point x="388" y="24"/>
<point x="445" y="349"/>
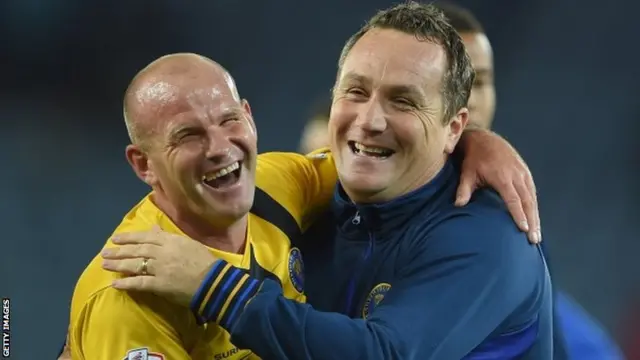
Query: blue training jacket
<point x="413" y="278"/>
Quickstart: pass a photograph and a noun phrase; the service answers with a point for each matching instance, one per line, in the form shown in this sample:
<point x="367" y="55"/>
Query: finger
<point x="511" y="198"/>
<point x="530" y="207"/>
<point x="534" y="192"/>
<point x="140" y="283"/>
<point x="131" y="251"/>
<point x="141" y="237"/>
<point x="468" y="184"/>
<point x="128" y="266"/>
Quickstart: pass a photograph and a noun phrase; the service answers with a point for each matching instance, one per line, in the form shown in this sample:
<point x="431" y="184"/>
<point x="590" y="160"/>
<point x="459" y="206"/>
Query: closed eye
<point x="403" y="103"/>
<point x="356" y="93"/>
<point x="229" y="121"/>
<point x="187" y="133"/>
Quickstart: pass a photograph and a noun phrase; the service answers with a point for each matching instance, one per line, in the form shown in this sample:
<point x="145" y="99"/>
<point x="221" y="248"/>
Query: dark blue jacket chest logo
<point x="374" y="298"/>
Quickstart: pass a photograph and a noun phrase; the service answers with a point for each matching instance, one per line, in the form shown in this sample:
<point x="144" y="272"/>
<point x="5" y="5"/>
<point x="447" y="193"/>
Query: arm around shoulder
<point x="115" y="324"/>
<point x="454" y="291"/>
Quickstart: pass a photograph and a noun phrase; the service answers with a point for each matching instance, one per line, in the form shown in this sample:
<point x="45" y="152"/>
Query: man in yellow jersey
<point x="194" y="142"/>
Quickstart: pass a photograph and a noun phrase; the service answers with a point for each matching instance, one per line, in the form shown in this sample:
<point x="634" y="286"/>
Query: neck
<point x="229" y="236"/>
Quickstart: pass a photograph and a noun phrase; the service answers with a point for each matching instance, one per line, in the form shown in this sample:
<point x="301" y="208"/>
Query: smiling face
<point x="387" y="127"/>
<point x="200" y="141"/>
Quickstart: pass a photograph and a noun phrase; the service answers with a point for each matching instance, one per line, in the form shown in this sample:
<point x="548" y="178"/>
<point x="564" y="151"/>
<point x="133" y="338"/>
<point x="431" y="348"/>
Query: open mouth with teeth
<point x="223" y="177"/>
<point x="369" y="151"/>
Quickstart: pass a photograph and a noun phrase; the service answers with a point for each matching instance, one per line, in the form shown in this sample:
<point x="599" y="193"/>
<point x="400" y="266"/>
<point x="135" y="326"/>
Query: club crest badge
<point x="296" y="269"/>
<point x="375" y="297"/>
<point x="143" y="354"/>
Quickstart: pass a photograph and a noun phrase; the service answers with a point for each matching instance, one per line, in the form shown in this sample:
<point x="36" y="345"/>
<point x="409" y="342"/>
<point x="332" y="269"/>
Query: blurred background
<point x="567" y="79"/>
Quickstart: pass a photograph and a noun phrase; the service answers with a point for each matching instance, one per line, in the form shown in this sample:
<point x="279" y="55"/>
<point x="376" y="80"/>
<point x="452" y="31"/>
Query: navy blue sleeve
<point x="458" y="285"/>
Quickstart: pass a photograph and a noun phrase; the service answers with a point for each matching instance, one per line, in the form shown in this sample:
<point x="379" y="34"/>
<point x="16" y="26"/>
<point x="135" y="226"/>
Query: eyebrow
<point x="356" y="78"/>
<point x="394" y="89"/>
<point x="230" y="112"/>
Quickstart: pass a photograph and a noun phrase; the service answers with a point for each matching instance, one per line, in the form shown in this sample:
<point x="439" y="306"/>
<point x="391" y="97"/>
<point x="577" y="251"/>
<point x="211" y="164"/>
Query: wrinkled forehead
<point x="187" y="95"/>
<point x="391" y="57"/>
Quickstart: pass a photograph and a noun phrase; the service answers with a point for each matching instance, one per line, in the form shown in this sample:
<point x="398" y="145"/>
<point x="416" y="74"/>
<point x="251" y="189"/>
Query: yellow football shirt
<point x="110" y="324"/>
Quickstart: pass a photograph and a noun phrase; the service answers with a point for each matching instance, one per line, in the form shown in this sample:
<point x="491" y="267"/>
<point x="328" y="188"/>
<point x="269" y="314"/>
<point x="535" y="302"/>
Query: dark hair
<point x="427" y="23"/>
<point x="460" y="18"/>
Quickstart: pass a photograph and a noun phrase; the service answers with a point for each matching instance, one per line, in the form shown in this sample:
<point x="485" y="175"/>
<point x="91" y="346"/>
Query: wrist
<point x="223" y="294"/>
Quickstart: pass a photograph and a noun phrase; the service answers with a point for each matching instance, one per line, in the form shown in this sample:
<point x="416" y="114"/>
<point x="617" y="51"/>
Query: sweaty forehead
<point x="387" y="56"/>
<point x="163" y="96"/>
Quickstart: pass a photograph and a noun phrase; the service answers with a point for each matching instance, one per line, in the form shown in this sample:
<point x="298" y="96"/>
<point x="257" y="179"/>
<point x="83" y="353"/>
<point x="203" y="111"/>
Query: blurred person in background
<point x="578" y="335"/>
<point x="315" y="134"/>
<point x="440" y="292"/>
<point x="193" y="142"/>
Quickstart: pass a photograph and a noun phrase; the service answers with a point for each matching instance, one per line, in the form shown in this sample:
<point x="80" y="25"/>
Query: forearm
<point x="274" y="327"/>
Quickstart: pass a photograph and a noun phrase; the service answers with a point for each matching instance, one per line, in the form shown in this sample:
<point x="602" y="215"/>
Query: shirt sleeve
<point x="454" y="292"/>
<point x="118" y="325"/>
<point x="302" y="184"/>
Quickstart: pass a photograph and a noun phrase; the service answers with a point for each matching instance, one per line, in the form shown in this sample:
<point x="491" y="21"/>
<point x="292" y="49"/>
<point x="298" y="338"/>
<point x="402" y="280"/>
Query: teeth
<point x="368" y="149"/>
<point x="212" y="176"/>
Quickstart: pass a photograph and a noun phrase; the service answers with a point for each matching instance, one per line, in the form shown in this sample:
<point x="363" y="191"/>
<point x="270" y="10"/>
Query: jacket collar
<point x="381" y="219"/>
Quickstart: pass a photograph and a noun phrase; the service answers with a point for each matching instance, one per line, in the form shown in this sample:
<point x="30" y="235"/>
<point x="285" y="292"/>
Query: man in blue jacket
<point x="396" y="271"/>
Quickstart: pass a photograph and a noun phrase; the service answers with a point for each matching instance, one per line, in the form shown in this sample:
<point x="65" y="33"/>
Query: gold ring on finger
<point x="144" y="267"/>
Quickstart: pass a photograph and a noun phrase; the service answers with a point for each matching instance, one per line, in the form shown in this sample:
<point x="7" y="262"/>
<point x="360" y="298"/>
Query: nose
<point x="219" y="147"/>
<point x="372" y="118"/>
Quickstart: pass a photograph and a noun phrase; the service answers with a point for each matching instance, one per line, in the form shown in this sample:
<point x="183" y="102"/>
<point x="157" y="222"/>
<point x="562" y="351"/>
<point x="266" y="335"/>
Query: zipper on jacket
<point x="366" y="254"/>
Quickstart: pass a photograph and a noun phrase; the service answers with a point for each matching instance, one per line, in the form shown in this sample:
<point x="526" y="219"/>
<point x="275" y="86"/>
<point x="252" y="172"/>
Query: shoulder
<point x="485" y="217"/>
<point x="291" y="164"/>
<point x="270" y="160"/>
<point x="483" y="229"/>
<point x="292" y="181"/>
<point x="110" y="309"/>
<point x="123" y="321"/>
<point x="94" y="297"/>
<point x="275" y="158"/>
<point x="94" y="279"/>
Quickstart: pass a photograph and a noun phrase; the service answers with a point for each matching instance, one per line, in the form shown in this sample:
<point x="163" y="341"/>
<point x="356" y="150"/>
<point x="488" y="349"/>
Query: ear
<point x="141" y="164"/>
<point x="455" y="128"/>
<point x="247" y="109"/>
